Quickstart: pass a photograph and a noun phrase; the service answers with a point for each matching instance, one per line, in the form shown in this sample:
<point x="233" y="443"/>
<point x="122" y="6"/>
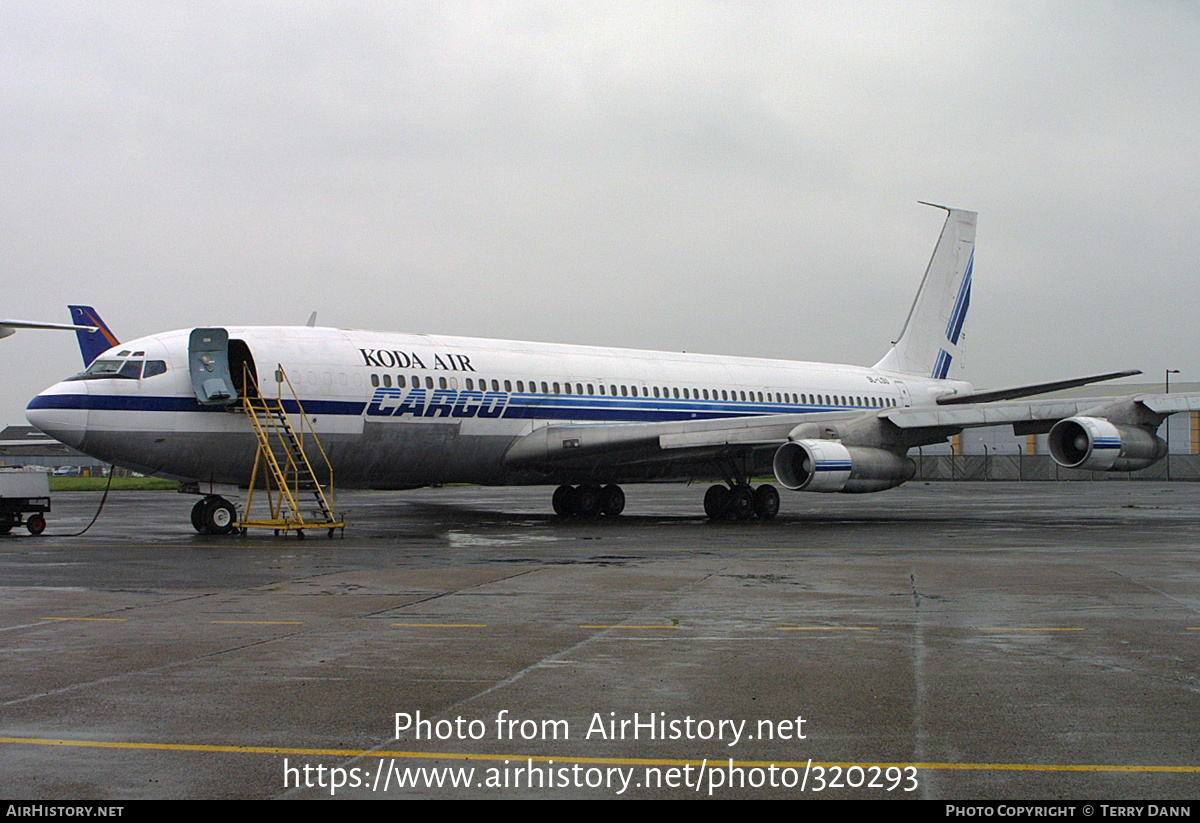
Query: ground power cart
<point x="24" y="501"/>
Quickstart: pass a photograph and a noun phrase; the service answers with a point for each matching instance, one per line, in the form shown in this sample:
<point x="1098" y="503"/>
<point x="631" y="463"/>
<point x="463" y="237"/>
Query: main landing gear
<point x="589" y="501"/>
<point x="741" y="502"/>
<point x="214" y="515"/>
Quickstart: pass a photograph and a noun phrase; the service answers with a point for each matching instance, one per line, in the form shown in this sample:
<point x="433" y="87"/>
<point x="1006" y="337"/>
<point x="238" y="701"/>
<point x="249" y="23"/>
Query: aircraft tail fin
<point x="930" y="342"/>
<point x="94" y="343"/>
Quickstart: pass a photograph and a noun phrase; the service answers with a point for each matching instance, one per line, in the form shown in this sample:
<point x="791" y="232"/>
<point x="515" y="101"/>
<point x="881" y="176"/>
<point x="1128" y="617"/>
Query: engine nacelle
<point x="829" y="466"/>
<point x="1097" y="444"/>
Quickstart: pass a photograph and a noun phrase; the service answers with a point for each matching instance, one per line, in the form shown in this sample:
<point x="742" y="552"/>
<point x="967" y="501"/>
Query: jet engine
<point x="830" y="466"/>
<point x="1097" y="444"/>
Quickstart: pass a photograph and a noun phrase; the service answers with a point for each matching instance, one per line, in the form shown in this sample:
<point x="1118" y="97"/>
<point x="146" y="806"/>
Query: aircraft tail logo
<point x="92" y="344"/>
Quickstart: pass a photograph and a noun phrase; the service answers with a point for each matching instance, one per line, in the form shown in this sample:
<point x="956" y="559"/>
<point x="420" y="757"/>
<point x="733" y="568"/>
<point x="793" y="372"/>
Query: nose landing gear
<point x="214" y="515"/>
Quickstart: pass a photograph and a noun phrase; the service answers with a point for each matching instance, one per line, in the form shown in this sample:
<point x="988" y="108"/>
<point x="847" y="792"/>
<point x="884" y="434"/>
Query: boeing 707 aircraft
<point x="399" y="410"/>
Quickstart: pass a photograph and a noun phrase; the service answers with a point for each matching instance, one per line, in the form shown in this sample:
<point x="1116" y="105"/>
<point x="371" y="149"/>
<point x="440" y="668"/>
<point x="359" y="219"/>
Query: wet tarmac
<point x="942" y="640"/>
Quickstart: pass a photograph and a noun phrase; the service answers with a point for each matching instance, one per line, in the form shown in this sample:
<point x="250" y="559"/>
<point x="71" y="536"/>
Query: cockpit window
<point x="104" y="368"/>
<point x="127" y="369"/>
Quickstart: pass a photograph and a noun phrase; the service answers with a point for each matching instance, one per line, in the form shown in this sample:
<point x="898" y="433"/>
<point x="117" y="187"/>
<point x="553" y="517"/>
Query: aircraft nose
<point x="61" y="412"/>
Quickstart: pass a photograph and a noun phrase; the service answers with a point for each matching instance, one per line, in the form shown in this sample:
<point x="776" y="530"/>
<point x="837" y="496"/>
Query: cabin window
<point x="520" y="385"/>
<point x="387" y="381"/>
<point x="508" y="385"/>
<point x="556" y="388"/>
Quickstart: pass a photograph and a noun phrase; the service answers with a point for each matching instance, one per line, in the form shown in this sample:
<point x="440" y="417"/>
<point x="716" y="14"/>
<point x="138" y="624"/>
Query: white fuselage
<point x="398" y="410"/>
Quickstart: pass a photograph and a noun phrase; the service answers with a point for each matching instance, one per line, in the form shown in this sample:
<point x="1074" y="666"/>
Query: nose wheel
<point x="214" y="515"/>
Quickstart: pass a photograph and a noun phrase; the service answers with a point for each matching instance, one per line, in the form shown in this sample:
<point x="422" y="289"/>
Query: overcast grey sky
<point x="738" y="178"/>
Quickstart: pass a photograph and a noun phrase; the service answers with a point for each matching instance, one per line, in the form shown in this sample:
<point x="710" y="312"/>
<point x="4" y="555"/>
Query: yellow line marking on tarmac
<point x="92" y="619"/>
<point x="259" y="622"/>
<point x="629" y="761"/>
<point x="828" y="628"/>
<point x="1029" y="629"/>
<point x="441" y="625"/>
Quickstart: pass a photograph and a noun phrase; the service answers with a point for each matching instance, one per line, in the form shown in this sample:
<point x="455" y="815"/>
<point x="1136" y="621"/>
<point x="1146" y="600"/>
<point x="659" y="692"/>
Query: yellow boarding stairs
<point x="282" y="465"/>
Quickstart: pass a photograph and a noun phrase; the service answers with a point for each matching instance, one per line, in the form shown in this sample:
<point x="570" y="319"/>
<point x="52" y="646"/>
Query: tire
<point x="766" y="502"/>
<point x="563" y="501"/>
<point x="589" y="501"/>
<point x="612" y="500"/>
<point x="36" y="524"/>
<point x="741" y="504"/>
<point x="219" y="516"/>
<point x="716" y="502"/>
<point x="198" y="515"/>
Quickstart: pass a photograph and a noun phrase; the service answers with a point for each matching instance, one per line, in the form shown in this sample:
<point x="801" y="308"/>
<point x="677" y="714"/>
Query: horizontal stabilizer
<point x="7" y="327"/>
<point x="1013" y="392"/>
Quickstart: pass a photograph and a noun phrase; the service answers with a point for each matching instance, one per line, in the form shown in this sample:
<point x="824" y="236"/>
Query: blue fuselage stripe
<point x="536" y="407"/>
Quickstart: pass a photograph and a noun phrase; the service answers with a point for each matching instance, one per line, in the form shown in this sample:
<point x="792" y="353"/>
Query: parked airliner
<point x="408" y="410"/>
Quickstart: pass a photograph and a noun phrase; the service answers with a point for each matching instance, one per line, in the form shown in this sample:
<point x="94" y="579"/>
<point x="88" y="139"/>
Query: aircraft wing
<point x="568" y="441"/>
<point x="1039" y="415"/>
<point x="619" y="446"/>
